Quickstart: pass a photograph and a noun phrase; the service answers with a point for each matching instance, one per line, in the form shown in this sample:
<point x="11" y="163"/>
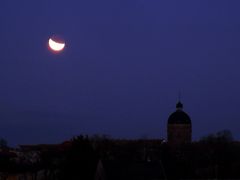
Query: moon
<point x="56" y="46"/>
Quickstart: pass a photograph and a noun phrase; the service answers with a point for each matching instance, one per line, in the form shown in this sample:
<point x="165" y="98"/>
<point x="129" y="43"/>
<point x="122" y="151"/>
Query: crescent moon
<point x="56" y="46"/>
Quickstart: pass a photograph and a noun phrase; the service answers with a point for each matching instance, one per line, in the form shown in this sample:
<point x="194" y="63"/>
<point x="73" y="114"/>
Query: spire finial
<point x="179" y="105"/>
<point x="179" y="96"/>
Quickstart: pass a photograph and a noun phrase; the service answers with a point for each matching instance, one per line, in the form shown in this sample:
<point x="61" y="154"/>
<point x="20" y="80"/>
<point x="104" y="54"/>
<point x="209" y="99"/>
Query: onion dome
<point x="179" y="116"/>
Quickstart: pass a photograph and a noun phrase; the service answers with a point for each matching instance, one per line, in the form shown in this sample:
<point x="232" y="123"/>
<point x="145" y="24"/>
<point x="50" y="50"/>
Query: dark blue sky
<point x="123" y="66"/>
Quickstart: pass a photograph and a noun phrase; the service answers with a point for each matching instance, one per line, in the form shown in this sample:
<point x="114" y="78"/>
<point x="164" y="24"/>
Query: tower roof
<point x="179" y="116"/>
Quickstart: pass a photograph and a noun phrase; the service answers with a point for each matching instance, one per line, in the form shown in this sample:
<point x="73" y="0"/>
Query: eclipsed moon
<point x="56" y="46"/>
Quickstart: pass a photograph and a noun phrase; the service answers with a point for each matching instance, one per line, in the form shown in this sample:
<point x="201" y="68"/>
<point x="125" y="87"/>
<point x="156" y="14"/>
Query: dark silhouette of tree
<point x="221" y="136"/>
<point x="80" y="161"/>
<point x="3" y="143"/>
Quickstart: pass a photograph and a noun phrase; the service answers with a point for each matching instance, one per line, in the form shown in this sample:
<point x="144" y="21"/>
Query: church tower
<point x="179" y="127"/>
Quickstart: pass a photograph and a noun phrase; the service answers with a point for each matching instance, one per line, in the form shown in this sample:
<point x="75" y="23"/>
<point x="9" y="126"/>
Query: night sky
<point x="122" y="69"/>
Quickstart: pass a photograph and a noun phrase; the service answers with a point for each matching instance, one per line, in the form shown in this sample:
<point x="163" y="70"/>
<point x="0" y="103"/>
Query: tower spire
<point x="179" y="105"/>
<point x="179" y="96"/>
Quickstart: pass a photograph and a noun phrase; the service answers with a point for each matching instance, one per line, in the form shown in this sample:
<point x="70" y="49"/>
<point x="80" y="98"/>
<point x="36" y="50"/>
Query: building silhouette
<point x="179" y="127"/>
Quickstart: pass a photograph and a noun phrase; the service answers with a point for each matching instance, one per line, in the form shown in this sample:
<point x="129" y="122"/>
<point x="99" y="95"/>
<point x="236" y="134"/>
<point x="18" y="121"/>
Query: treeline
<point x="216" y="156"/>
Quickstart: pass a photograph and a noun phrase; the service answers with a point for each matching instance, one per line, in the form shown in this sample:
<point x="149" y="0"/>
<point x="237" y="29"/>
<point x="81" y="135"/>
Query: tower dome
<point x="179" y="116"/>
<point x="179" y="126"/>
